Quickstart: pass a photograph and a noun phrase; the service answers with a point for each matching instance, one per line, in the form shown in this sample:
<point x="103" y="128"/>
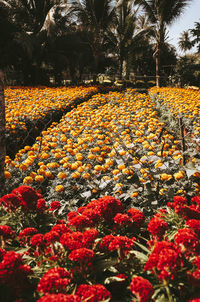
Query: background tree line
<point x="41" y="39"/>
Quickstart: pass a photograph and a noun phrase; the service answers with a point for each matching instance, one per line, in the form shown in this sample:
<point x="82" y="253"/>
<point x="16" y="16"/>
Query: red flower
<point x="80" y="222"/>
<point x="6" y="232"/>
<point x="59" y="298"/>
<point x="71" y="215"/>
<point x="142" y="289"/>
<point x="89" y="237"/>
<point x="93" y="293"/>
<point x="82" y="255"/>
<point x="190" y="212"/>
<point x="187" y="240"/>
<point x="92" y="214"/>
<point x="157" y="227"/>
<point x="10" y="202"/>
<point x="29" y="197"/>
<point x="25" y="235"/>
<point x="178" y="203"/>
<point x="121" y="243"/>
<point x="55" y="205"/>
<point x="123" y="220"/>
<point x="194" y="224"/>
<point x="197" y="261"/>
<point x="165" y="260"/>
<point x="38" y="240"/>
<point x="51" y="237"/>
<point x="2" y="253"/>
<point x="72" y="241"/>
<point x="106" y="240"/>
<point x="61" y="229"/>
<point x="137" y="217"/>
<point x="13" y="273"/>
<point x="41" y="205"/>
<point x="54" y="280"/>
<point x="196" y="200"/>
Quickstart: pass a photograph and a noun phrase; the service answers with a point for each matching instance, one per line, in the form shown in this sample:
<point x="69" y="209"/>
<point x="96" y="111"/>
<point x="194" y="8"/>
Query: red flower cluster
<point x="123" y="220"/>
<point x="14" y="273"/>
<point x="194" y="224"/>
<point x="137" y="217"/>
<point x="93" y="293"/>
<point x="55" y="205"/>
<point x="54" y="280"/>
<point x="157" y="227"/>
<point x="26" y="234"/>
<point x="82" y="255"/>
<point x="165" y="260"/>
<point x="187" y="240"/>
<point x="6" y="232"/>
<point x="142" y="289"/>
<point x="181" y="207"/>
<point x="122" y="243"/>
<point x="59" y="298"/>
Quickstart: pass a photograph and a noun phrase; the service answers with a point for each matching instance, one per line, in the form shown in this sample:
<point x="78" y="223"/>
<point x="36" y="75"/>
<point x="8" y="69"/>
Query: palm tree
<point x="126" y="32"/>
<point x="162" y="13"/>
<point x="94" y="16"/>
<point x="185" y="41"/>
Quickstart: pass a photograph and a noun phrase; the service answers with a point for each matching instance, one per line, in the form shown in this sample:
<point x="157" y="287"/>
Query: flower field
<point x="105" y="206"/>
<point x="100" y="252"/>
<point x="29" y="108"/>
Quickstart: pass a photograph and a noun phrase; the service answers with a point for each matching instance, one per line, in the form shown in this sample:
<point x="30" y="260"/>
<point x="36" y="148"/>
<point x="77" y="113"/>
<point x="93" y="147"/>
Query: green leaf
<point x="142" y="247"/>
<point x="142" y="257"/>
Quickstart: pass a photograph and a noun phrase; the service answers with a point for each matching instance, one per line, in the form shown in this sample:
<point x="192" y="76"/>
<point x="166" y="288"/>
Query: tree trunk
<point x="2" y="133"/>
<point x="157" y="57"/>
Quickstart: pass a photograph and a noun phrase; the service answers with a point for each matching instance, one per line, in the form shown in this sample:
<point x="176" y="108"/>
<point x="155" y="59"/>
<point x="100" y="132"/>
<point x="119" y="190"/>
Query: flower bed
<point x="29" y="110"/>
<point x="113" y="144"/>
<point x="103" y="251"/>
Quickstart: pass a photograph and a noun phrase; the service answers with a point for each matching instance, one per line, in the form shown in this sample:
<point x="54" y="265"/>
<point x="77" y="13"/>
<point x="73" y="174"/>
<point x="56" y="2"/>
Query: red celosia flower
<point x="165" y="259"/>
<point x="89" y="236"/>
<point x="137" y="217"/>
<point x="178" y="203"/>
<point x="123" y="220"/>
<point x="122" y="243"/>
<point x="161" y="213"/>
<point x="6" y="232"/>
<point x="61" y="229"/>
<point x="25" y="235"/>
<point x="82" y="255"/>
<point x="92" y="214"/>
<point x="72" y="241"/>
<point x="59" y="298"/>
<point x="196" y="200"/>
<point x="93" y="293"/>
<point x="107" y="207"/>
<point x="197" y="261"/>
<point x="54" y="280"/>
<point x="142" y="289"/>
<point x="197" y="299"/>
<point x="51" y="237"/>
<point x="41" y="205"/>
<point x="187" y="240"/>
<point x="13" y="273"/>
<point x="29" y="196"/>
<point x="191" y="212"/>
<point x="106" y="240"/>
<point x="10" y="202"/>
<point x="55" y="205"/>
<point x="157" y="227"/>
<point x="2" y="253"/>
<point x="71" y="215"/>
<point x="38" y="240"/>
<point x="80" y="222"/>
<point x="194" y="224"/>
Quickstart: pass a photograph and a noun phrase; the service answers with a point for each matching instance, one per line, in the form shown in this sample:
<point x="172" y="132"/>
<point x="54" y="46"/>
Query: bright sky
<point x="184" y="22"/>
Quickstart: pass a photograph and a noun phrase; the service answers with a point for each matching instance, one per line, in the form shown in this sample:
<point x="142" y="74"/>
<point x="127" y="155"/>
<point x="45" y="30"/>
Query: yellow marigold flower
<point x="7" y="174"/>
<point x="59" y="188"/>
<point x="76" y="175"/>
<point x="62" y="175"/>
<point x="39" y="178"/>
<point x="179" y="175"/>
<point x="135" y="194"/>
<point x="28" y="180"/>
<point x="165" y="176"/>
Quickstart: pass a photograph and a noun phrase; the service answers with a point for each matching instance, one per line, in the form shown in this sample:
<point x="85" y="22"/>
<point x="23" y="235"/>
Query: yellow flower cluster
<point x="32" y="104"/>
<point x="111" y="141"/>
